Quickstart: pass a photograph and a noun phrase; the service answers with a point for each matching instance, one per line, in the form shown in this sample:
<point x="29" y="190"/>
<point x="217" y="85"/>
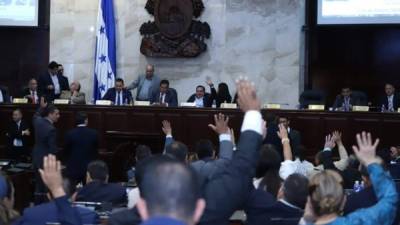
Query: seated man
<point x="74" y="94"/>
<point x="97" y="188"/>
<point x="48" y="213"/>
<point x="4" y="96"/>
<point x="345" y="101"/>
<point x="201" y="98"/>
<point x="391" y="101"/>
<point x="118" y="94"/>
<point x="165" y="96"/>
<point x="31" y="92"/>
<point x="292" y="198"/>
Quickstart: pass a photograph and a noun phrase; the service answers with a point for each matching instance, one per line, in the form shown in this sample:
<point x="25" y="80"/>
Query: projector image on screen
<point x="358" y="11"/>
<point x="19" y="12"/>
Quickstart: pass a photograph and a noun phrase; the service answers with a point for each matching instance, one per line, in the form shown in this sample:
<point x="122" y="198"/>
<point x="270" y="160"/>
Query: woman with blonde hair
<point x="327" y="197"/>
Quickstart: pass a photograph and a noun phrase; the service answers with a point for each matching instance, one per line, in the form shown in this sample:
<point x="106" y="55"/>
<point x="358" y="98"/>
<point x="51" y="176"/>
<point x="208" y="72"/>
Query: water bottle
<point x="356" y="187"/>
<point x="214" y="104"/>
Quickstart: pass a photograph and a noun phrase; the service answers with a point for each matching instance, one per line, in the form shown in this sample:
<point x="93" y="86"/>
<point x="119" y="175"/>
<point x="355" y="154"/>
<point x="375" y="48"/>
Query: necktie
<point x="161" y="98"/>
<point x="390" y="104"/>
<point x="118" y="98"/>
<point x="33" y="97"/>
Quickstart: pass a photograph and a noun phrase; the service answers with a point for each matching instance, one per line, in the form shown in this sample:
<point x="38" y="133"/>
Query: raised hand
<point x="51" y="175"/>
<point x="43" y="103"/>
<point x="329" y="142"/>
<point x="366" y="150"/>
<point x="247" y="97"/>
<point x="337" y="137"/>
<point x="166" y="128"/>
<point x="221" y="124"/>
<point x="209" y="82"/>
<point x="282" y="133"/>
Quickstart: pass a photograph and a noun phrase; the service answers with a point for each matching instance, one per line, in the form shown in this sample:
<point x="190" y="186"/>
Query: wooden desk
<point x="116" y="124"/>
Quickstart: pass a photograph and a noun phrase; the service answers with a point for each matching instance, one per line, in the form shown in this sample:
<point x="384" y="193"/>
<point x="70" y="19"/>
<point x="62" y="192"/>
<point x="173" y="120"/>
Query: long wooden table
<point x="118" y="124"/>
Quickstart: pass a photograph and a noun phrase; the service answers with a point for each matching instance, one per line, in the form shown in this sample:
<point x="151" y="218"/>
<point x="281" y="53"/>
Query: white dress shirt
<point x="199" y="102"/>
<point x="56" y="83"/>
<point x="390" y="103"/>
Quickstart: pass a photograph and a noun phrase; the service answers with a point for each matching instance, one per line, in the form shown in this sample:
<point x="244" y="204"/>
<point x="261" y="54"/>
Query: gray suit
<point x="138" y="83"/>
<point x="45" y="139"/>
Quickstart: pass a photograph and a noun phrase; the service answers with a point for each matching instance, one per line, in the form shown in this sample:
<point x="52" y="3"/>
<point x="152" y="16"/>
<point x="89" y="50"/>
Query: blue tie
<point x="118" y="98"/>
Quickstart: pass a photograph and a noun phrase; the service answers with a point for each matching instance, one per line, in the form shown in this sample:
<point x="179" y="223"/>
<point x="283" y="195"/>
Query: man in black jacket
<point x="52" y="83"/>
<point x="81" y="145"/>
<point x="31" y="92"/>
<point x="228" y="190"/>
<point x="201" y="98"/>
<point x="391" y="101"/>
<point x="17" y="135"/>
<point x="97" y="188"/>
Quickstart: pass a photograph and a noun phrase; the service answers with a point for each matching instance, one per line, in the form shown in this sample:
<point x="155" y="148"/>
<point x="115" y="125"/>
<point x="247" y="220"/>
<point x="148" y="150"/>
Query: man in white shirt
<point x="390" y="102"/>
<point x="52" y="83"/>
<point x="201" y="98"/>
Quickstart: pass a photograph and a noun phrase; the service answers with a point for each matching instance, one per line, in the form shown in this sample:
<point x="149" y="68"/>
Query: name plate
<point x="103" y="102"/>
<point x="272" y="106"/>
<point x="188" y="104"/>
<point x="358" y="108"/>
<point x="316" y="107"/>
<point x="61" y="101"/>
<point x="20" y="101"/>
<point x="228" y="106"/>
<point x="141" y="103"/>
<point x="398" y="110"/>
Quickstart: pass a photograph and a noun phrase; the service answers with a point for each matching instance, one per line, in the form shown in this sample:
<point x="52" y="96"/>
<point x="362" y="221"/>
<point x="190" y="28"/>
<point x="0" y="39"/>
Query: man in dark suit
<point x="201" y="98"/>
<point x="97" y="188"/>
<point x="345" y="100"/>
<point x="17" y="135"/>
<point x="288" y="210"/>
<point x="4" y="95"/>
<point x="294" y="135"/>
<point x="45" y="141"/>
<point x="47" y="213"/>
<point x="391" y="101"/>
<point x="52" y="83"/>
<point x="81" y="147"/>
<point x="31" y="92"/>
<point x="119" y="95"/>
<point x="229" y="189"/>
<point x="165" y="96"/>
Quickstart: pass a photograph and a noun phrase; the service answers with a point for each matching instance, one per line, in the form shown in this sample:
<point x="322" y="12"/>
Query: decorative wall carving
<point x="175" y="32"/>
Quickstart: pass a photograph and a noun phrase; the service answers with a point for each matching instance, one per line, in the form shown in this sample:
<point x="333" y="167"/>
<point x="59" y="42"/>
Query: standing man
<point x="146" y="84"/>
<point x="165" y="96"/>
<point x="391" y="101"/>
<point x="118" y="94"/>
<point x="45" y="142"/>
<point x="17" y="137"/>
<point x="31" y="93"/>
<point x="81" y="145"/>
<point x="52" y="83"/>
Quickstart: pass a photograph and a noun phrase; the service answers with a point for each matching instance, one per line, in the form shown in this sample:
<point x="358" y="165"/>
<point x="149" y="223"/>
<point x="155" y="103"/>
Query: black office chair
<point x="361" y="98"/>
<point x="312" y="97"/>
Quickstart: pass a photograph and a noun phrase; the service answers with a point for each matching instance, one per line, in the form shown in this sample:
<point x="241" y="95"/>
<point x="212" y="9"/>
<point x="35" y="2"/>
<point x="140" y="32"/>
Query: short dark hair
<point x="48" y="110"/>
<point x="295" y="190"/>
<point x="170" y="187"/>
<point x="204" y="149"/>
<point x="177" y="150"/>
<point x="202" y="87"/>
<point x="98" y="170"/>
<point x="142" y="152"/>
<point x="164" y="82"/>
<point x="17" y="110"/>
<point x="53" y="65"/>
<point x="80" y="118"/>
<point x="119" y="80"/>
<point x="269" y="159"/>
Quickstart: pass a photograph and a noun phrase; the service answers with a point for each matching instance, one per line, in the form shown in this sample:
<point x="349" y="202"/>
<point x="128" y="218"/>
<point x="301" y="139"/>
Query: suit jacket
<point x="26" y="93"/>
<point x="6" y="96"/>
<point x="111" y="94"/>
<point x="103" y="192"/>
<point x="45" y="139"/>
<point x="45" y="80"/>
<point x="364" y="199"/>
<point x="138" y="83"/>
<point x="295" y="139"/>
<point x="170" y="98"/>
<point x="81" y="147"/>
<point x="80" y="98"/>
<point x="384" y="102"/>
<point x="263" y="209"/>
<point x="15" y="133"/>
<point x="340" y="100"/>
<point x="49" y="212"/>
<point x="207" y="100"/>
